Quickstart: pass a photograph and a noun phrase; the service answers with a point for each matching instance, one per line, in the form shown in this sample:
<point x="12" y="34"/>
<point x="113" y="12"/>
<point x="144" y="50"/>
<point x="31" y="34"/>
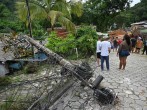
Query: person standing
<point x="119" y="41"/>
<point x="145" y="46"/>
<point x="123" y="51"/>
<point x="133" y="41"/>
<point x="105" y="48"/>
<point x="115" y="43"/>
<point x="139" y="45"/>
<point x="98" y="51"/>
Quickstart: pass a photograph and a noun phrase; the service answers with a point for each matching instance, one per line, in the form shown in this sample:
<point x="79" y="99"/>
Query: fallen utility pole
<point x="103" y="95"/>
<point x="56" y="57"/>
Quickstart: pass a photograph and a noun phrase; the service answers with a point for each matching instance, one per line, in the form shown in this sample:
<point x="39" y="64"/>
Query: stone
<point x="133" y="96"/>
<point x="140" y="102"/>
<point x="136" y="107"/>
<point x="128" y="92"/>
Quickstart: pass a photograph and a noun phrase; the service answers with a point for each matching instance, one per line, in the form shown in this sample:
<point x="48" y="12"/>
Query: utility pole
<point x="29" y="21"/>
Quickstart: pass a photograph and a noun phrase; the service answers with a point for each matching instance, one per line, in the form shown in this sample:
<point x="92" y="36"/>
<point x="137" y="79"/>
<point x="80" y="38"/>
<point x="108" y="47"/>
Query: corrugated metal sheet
<point x="4" y="56"/>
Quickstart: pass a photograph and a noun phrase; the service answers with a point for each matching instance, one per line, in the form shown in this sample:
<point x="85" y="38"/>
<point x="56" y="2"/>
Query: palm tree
<point x="54" y="10"/>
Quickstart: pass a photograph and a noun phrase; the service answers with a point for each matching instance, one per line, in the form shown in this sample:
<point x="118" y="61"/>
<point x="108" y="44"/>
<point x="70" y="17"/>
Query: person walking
<point x="105" y="48"/>
<point x="98" y="51"/>
<point x="124" y="51"/>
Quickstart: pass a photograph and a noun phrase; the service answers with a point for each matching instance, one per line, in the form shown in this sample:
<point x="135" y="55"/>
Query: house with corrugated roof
<point x="139" y="28"/>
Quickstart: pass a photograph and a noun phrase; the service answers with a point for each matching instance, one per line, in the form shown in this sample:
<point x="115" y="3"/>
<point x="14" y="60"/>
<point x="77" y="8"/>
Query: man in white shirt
<point x="98" y="51"/>
<point x="105" y="48"/>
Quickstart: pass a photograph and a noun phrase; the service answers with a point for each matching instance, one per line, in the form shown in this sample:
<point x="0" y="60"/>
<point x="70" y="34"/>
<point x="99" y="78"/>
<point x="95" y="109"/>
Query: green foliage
<point x="38" y="30"/>
<point x="123" y="19"/>
<point x="4" y="11"/>
<point x="7" y="25"/>
<point x="61" y="45"/>
<point x="86" y="42"/>
<point x="134" y="14"/>
<point x="8" y="21"/>
<point x="9" y="3"/>
<point x="139" y="11"/>
<point x="58" y="11"/>
<point x="102" y="12"/>
<point x="38" y="34"/>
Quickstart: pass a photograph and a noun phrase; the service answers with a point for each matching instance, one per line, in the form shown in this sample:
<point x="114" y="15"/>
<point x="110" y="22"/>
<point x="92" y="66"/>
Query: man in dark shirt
<point x="145" y="46"/>
<point x="115" y="42"/>
<point x="133" y="41"/>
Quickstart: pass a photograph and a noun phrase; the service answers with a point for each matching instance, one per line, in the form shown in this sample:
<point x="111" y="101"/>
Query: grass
<point x="10" y="104"/>
<point x="5" y="81"/>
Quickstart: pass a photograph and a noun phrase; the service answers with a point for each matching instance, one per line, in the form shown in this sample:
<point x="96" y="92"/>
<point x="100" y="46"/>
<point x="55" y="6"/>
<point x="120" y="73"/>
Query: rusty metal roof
<point x="4" y="56"/>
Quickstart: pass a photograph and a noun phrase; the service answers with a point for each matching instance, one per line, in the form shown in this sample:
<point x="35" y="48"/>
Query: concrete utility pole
<point x="104" y="95"/>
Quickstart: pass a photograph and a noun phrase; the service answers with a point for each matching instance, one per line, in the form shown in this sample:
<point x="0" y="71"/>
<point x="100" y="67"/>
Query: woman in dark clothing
<point x="123" y="51"/>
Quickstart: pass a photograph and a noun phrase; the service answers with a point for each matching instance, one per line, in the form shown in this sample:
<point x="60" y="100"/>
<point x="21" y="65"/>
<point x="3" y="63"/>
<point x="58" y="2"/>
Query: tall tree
<point x="56" y="11"/>
<point x="134" y="14"/>
<point x="139" y="11"/>
<point x="102" y="12"/>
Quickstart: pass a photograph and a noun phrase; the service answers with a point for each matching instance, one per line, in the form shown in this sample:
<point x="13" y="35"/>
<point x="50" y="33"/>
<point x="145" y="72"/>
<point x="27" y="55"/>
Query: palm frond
<point x="67" y="23"/>
<point x="76" y="8"/>
<point x="21" y="11"/>
<point x="62" y="6"/>
<point x="36" y="11"/>
<point x="47" y="4"/>
<point x="54" y="10"/>
<point x="53" y="15"/>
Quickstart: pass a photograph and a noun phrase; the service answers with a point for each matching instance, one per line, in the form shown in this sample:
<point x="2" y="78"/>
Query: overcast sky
<point x="134" y="2"/>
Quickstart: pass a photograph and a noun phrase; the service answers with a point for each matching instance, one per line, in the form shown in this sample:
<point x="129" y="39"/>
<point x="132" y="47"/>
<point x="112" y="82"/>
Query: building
<point x="117" y="33"/>
<point x="139" y="28"/>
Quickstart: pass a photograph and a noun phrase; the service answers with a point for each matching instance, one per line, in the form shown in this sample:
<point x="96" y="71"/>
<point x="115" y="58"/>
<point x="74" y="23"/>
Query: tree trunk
<point x="52" y="27"/>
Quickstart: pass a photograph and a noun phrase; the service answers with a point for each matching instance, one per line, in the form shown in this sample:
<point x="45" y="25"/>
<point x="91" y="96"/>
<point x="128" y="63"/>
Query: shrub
<point x="86" y="42"/>
<point x="61" y="45"/>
